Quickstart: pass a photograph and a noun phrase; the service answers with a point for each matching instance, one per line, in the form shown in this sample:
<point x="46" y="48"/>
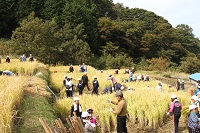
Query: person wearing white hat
<point x="69" y="87"/>
<point x="76" y="109"/>
<point x="8" y="59"/>
<point x="80" y="86"/>
<point x="95" y="86"/>
<point x="89" y="127"/>
<point x="175" y="110"/>
<point x="193" y="126"/>
<point x="71" y="69"/>
<point x="194" y="100"/>
<point x="121" y="112"/>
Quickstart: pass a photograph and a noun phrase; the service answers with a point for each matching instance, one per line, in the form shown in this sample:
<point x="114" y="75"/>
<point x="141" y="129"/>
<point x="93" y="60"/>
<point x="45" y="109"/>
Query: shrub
<point x="190" y="64"/>
<point x="159" y="64"/>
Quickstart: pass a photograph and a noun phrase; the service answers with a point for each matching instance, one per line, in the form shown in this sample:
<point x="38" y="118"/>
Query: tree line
<point x="96" y="32"/>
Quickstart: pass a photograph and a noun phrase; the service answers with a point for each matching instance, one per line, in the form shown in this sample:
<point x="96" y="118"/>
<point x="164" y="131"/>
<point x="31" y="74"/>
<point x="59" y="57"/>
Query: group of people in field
<point x="83" y="82"/>
<point x="22" y="58"/>
<point x="90" y="122"/>
<point x="193" y="115"/>
<point x="180" y="85"/>
<point x="132" y="77"/>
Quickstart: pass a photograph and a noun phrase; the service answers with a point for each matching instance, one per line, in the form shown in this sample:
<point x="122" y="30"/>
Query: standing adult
<point x="175" y="110"/>
<point x="178" y="82"/>
<point x="113" y="80"/>
<point x="121" y="112"/>
<point x="8" y="59"/>
<point x="130" y="77"/>
<point x="69" y="87"/>
<point x="85" y="81"/>
<point x="31" y="58"/>
<point x="64" y="80"/>
<point x="84" y="67"/>
<point x="76" y="109"/>
<point x="182" y="86"/>
<point x="71" y="69"/>
<point x="95" y="86"/>
<point x="193" y="126"/>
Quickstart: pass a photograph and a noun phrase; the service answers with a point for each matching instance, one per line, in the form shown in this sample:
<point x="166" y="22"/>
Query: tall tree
<point x="83" y="11"/>
<point x="38" y="38"/>
<point x="8" y="21"/>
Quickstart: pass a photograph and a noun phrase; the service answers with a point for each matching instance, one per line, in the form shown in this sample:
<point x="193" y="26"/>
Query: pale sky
<point x="175" y="11"/>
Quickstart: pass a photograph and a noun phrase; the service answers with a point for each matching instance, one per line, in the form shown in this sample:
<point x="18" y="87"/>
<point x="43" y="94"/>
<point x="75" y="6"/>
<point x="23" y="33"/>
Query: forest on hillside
<point x="97" y="32"/>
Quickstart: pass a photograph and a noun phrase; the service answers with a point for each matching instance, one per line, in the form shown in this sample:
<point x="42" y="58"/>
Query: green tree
<point x="84" y="12"/>
<point x="74" y="48"/>
<point x="190" y="64"/>
<point x="25" y="7"/>
<point x="38" y="38"/>
<point x="8" y="20"/>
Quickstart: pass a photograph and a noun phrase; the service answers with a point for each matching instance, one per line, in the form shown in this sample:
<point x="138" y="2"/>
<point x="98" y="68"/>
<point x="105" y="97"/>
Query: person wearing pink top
<point x="175" y="110"/>
<point x="113" y="80"/>
<point x="92" y="119"/>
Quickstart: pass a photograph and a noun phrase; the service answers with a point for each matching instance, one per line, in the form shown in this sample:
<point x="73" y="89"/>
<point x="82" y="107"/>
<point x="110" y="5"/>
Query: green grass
<point x="32" y="108"/>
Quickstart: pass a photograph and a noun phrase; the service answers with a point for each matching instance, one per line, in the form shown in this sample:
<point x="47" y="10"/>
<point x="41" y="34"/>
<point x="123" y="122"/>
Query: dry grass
<point x="11" y="89"/>
<point x="148" y="106"/>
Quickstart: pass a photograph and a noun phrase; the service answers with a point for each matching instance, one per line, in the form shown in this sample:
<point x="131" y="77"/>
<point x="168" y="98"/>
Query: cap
<point x="191" y="107"/>
<point x="95" y="77"/>
<point x="79" y="79"/>
<point x="173" y="96"/>
<point x="119" y="93"/>
<point x="109" y="75"/>
<point x="7" y="56"/>
<point x="194" y="97"/>
<point x="89" y="110"/>
<point x="76" y="99"/>
<point x="85" y="114"/>
<point x="65" y="76"/>
<point x="183" y="81"/>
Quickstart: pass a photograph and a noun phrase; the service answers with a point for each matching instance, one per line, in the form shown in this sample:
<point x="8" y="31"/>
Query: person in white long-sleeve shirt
<point x="69" y="86"/>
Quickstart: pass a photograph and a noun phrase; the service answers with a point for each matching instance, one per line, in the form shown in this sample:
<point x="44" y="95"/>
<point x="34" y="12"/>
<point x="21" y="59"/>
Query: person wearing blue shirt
<point x="197" y="90"/>
<point x="193" y="126"/>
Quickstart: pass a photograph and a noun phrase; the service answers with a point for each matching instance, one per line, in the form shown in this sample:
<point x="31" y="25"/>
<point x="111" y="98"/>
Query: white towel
<point x="75" y="107"/>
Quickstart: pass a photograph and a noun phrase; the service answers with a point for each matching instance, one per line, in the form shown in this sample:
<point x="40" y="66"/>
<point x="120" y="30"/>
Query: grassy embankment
<point x="148" y="106"/>
<point x="24" y="98"/>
